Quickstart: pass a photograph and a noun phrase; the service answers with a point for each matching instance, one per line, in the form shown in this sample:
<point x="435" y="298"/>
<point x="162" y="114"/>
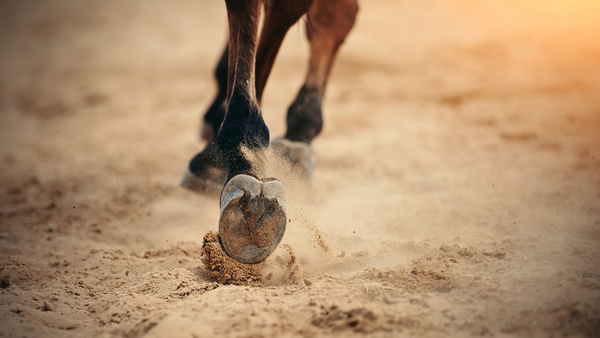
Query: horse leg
<point x="216" y="112"/>
<point x="253" y="216"/>
<point x="329" y="24"/>
<point x="206" y="171"/>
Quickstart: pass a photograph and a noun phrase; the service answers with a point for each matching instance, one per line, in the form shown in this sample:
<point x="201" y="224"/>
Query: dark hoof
<point x="206" y="172"/>
<point x="206" y="132"/>
<point x="298" y="154"/>
<point x="208" y="183"/>
<point x="253" y="218"/>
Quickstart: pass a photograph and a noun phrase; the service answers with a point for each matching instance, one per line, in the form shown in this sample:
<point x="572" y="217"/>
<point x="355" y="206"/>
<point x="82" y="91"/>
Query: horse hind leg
<point x="329" y="23"/>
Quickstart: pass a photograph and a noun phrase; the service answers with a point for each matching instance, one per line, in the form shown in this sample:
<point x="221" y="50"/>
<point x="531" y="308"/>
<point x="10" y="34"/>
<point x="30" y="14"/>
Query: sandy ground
<point x="457" y="190"/>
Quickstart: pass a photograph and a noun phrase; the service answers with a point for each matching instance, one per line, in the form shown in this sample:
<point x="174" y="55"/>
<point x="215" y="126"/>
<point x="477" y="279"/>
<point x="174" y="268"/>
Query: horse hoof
<point x="206" y="172"/>
<point x="206" y="132"/>
<point x="298" y="154"/>
<point x="253" y="218"/>
<point x="210" y="183"/>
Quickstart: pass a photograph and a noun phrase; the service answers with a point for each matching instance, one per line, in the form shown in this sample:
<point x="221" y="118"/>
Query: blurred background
<point x="423" y="91"/>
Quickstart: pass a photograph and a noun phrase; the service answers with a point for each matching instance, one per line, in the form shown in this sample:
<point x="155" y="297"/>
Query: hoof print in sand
<point x="224" y="269"/>
<point x="283" y="269"/>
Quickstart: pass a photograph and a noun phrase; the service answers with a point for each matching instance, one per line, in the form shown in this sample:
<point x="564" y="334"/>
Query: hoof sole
<point x="253" y="218"/>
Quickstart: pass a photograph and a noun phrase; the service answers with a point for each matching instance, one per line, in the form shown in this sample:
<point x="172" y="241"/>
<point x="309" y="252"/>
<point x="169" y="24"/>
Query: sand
<point x="456" y="190"/>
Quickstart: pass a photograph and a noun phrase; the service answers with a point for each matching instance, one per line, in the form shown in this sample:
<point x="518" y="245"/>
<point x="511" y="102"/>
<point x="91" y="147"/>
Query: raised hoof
<point x="253" y="218"/>
<point x="298" y="154"/>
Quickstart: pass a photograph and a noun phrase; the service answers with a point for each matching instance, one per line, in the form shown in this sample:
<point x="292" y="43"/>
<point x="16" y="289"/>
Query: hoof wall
<point x="253" y="218"/>
<point x="210" y="184"/>
<point x="298" y="154"/>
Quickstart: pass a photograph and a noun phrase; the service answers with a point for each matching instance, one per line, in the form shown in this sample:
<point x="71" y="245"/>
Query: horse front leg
<point x="253" y="215"/>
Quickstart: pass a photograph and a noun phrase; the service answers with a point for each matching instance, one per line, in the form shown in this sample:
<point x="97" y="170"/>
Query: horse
<point x="252" y="207"/>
